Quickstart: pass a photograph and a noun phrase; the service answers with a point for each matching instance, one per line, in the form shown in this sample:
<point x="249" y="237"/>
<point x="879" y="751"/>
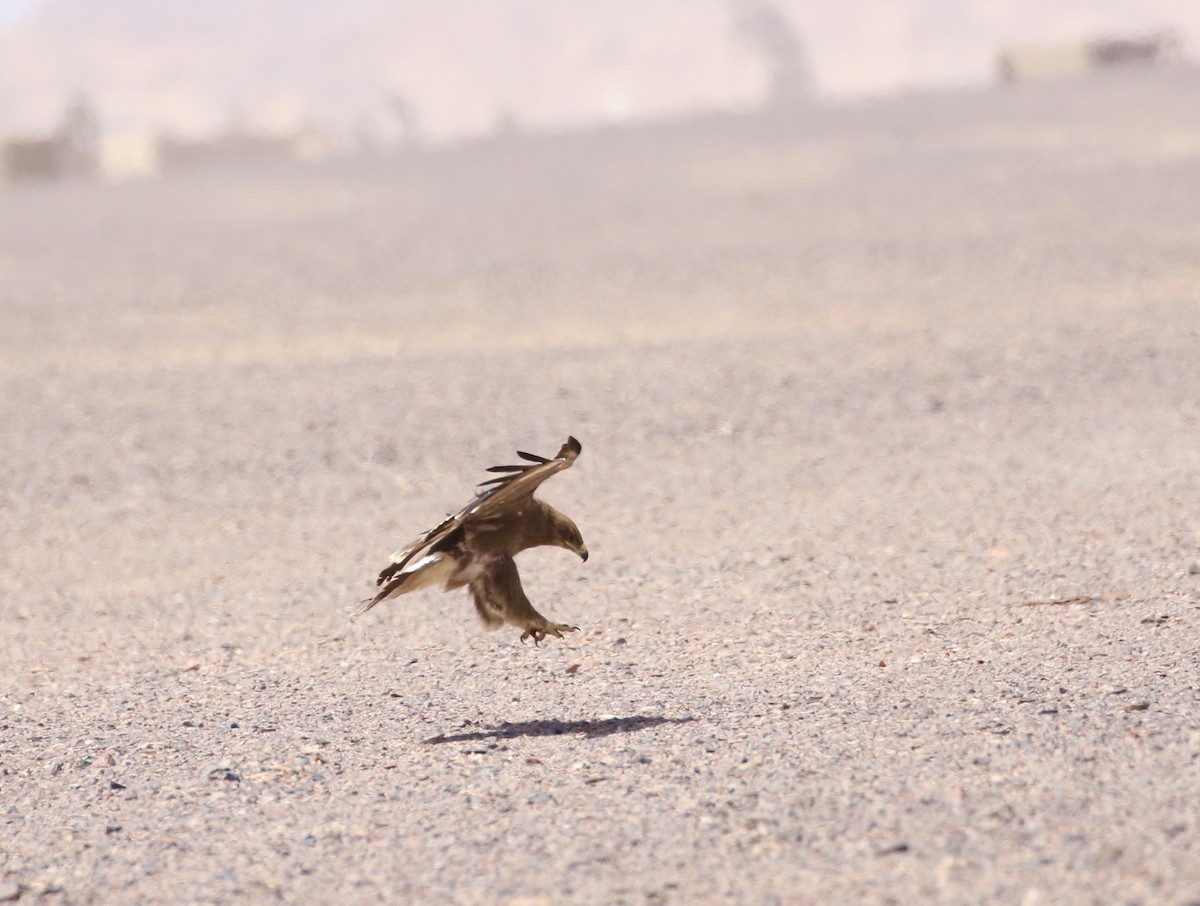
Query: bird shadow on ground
<point x="587" y="728"/>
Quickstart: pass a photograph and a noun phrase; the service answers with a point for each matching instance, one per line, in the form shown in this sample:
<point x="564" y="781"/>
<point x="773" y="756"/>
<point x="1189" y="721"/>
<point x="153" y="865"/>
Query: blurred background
<point x="156" y="86"/>
<point x="877" y="320"/>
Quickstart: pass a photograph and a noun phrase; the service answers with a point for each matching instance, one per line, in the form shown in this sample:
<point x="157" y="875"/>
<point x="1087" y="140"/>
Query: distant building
<point x="1162" y="47"/>
<point x="240" y="146"/>
<point x="31" y="159"/>
<point x="1041" y="62"/>
<point x="72" y="150"/>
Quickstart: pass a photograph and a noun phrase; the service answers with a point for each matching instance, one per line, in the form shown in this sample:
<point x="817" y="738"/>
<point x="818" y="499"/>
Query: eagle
<point x="475" y="547"/>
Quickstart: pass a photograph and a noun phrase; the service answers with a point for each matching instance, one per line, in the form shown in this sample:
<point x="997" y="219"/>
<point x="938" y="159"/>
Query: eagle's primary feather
<point x="475" y="547"/>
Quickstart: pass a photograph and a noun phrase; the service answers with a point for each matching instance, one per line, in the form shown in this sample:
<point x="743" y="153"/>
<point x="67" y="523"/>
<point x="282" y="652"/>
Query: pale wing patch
<point x="430" y="570"/>
<point x="427" y="560"/>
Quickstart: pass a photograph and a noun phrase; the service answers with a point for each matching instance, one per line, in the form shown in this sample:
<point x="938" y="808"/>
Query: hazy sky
<point x="464" y="66"/>
<point x="11" y="10"/>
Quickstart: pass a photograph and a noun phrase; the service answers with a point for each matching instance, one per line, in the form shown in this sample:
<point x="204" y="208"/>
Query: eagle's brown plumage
<point x="475" y="547"/>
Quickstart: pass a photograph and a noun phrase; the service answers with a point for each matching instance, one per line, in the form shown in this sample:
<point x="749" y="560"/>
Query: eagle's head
<point x="567" y="536"/>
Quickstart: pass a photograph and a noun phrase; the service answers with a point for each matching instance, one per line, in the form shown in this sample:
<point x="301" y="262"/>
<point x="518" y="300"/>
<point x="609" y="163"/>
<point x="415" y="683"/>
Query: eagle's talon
<point x="540" y="633"/>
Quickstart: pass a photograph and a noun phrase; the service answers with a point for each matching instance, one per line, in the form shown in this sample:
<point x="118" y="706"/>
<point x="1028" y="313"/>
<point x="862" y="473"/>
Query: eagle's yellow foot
<point x="542" y="630"/>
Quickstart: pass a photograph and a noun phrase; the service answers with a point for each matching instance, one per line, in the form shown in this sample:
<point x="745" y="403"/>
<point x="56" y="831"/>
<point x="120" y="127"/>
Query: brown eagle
<point x="475" y="547"/>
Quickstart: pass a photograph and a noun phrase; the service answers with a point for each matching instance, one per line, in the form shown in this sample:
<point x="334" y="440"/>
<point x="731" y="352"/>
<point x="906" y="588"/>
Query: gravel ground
<point x="891" y="460"/>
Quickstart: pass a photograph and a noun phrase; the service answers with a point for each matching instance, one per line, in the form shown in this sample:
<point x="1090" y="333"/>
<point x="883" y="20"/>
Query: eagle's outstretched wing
<point x="520" y="482"/>
<point x="523" y="479"/>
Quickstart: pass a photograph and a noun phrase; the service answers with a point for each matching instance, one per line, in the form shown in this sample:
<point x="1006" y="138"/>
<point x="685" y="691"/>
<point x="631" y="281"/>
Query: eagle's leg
<point x="539" y="630"/>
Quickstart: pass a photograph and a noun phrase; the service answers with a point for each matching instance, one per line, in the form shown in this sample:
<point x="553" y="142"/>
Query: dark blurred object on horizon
<point x="1037" y="62"/>
<point x="73" y="149"/>
<point x="767" y="30"/>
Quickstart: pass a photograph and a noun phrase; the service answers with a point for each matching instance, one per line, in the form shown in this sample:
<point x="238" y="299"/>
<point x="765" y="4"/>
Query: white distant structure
<point x="1041" y="62"/>
<point x="129" y="156"/>
<point x="238" y="145"/>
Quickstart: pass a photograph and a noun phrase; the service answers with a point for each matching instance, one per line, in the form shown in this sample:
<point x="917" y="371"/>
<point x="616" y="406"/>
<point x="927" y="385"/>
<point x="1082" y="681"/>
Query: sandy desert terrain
<point x="891" y="479"/>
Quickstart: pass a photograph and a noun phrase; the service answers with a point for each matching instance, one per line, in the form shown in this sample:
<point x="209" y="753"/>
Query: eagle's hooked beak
<point x="583" y="552"/>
